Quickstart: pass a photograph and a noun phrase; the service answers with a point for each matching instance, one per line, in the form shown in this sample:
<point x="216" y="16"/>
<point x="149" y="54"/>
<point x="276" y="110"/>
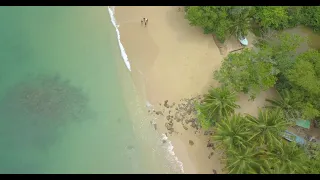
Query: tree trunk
<point x="221" y="46"/>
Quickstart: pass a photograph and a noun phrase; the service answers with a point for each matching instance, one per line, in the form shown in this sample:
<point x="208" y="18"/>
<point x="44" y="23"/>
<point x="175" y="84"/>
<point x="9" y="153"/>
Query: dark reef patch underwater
<point x="34" y="110"/>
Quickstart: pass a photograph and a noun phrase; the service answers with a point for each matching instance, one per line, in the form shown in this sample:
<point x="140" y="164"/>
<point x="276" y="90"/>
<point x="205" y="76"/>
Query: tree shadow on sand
<point x="32" y="111"/>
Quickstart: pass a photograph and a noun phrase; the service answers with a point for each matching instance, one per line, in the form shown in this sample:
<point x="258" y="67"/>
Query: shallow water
<point x="66" y="98"/>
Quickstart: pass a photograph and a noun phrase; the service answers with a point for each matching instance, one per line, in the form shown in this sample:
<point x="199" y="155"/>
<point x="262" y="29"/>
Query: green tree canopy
<point x="248" y="72"/>
<point x="286" y="104"/>
<point x="232" y="132"/>
<point x="313" y="161"/>
<point x="311" y="17"/>
<point x="288" y="158"/>
<point x="267" y="127"/>
<point x="305" y="73"/>
<point x="221" y="20"/>
<point x="243" y="161"/>
<point x="274" y="17"/>
<point x="218" y="103"/>
<point x="298" y="73"/>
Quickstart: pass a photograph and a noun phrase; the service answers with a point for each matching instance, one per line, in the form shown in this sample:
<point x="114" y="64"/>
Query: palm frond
<point x="232" y="132"/>
<point x="266" y="128"/>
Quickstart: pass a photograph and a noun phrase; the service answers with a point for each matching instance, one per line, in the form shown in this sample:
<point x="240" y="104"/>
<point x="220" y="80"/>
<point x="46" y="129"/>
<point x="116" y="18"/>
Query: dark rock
<point x="166" y="104"/>
<point x="210" y="145"/>
<point x="206" y="133"/>
<point x="188" y="121"/>
<point x="185" y="127"/>
<point x="168" y="117"/>
<point x="159" y="113"/>
<point x="168" y="126"/>
<point x="193" y="125"/>
<point x="191" y="142"/>
<point x="155" y="126"/>
<point x="210" y="155"/>
<point x="193" y="120"/>
<point x="214" y="171"/>
<point x="164" y="141"/>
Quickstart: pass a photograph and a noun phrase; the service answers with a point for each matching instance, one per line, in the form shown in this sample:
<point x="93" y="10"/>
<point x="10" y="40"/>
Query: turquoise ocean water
<point x="67" y="101"/>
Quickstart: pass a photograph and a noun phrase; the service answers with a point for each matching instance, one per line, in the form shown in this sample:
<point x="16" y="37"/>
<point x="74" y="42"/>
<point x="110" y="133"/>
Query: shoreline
<point x="172" y="63"/>
<point x="146" y="72"/>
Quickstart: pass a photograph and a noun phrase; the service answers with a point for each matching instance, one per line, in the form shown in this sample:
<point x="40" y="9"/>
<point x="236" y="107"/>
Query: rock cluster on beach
<point x="183" y="112"/>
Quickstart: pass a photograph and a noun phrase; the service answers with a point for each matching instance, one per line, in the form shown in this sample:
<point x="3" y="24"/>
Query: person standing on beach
<point x="145" y="22"/>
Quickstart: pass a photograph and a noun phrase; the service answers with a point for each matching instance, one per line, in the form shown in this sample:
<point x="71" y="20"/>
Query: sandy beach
<point x="170" y="61"/>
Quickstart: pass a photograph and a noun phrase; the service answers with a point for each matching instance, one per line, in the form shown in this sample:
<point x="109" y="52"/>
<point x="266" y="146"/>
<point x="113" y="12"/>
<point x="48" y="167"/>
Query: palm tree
<point x="313" y="161"/>
<point x="313" y="165"/>
<point x="241" y="21"/>
<point x="243" y="161"/>
<point x="267" y="127"/>
<point x="288" y="158"/>
<point x="218" y="103"/>
<point x="232" y="132"/>
<point x="285" y="104"/>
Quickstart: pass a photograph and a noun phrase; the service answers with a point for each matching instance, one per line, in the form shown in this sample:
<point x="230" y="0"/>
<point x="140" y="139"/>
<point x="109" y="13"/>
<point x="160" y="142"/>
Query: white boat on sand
<point x="243" y="41"/>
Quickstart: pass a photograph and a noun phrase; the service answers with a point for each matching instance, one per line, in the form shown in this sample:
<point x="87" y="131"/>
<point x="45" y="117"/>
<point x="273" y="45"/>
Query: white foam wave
<point x="114" y="22"/>
<point x="148" y="104"/>
<point x="169" y="146"/>
<point x="170" y="150"/>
